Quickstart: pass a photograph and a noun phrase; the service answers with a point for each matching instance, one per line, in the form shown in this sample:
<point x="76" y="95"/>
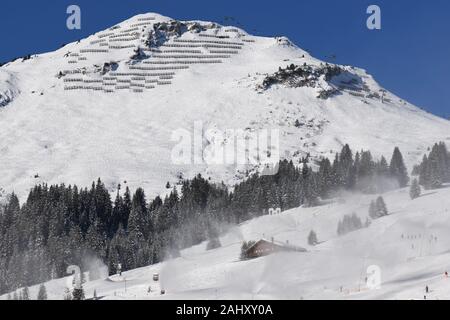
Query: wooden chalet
<point x="265" y="247"/>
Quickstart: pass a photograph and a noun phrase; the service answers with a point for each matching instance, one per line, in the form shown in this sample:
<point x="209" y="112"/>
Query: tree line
<point x="61" y="225"/>
<point x="434" y="170"/>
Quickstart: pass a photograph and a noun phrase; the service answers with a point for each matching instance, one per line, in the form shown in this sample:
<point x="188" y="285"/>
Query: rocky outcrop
<point x="301" y="76"/>
<point x="327" y="78"/>
<point x="5" y="98"/>
<point x="162" y="31"/>
<point x="8" y="89"/>
<point x="109" y="66"/>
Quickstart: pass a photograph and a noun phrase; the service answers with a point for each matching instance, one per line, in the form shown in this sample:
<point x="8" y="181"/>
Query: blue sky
<point x="410" y="55"/>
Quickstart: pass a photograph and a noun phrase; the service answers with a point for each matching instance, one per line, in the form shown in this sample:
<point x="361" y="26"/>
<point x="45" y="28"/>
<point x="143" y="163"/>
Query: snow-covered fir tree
<point x="435" y="168"/>
<point x="381" y="208"/>
<point x="348" y="224"/>
<point x="397" y="168"/>
<point x="414" y="191"/>
<point x="312" y="238"/>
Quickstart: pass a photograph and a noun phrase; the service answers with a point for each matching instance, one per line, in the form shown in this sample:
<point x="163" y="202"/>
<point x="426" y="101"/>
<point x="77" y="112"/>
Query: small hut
<point x="265" y="247"/>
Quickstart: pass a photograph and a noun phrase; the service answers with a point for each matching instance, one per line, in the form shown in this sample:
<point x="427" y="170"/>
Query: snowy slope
<point x="53" y="131"/>
<point x="410" y="245"/>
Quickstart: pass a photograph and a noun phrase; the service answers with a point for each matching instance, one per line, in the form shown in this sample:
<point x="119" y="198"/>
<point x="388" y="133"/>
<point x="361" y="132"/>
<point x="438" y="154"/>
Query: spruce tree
<point x="382" y="167"/>
<point x="424" y="175"/>
<point x="445" y="160"/>
<point x="436" y="172"/>
<point x="312" y="238"/>
<point x="325" y="178"/>
<point x="382" y="173"/>
<point x="309" y="187"/>
<point x="348" y="224"/>
<point x="346" y="169"/>
<point x="373" y="210"/>
<point x="245" y="246"/>
<point x="138" y="221"/>
<point x="397" y="168"/>
<point x="414" y="191"/>
<point x="381" y="207"/>
<point x="42" y="294"/>
<point x="126" y="208"/>
<point x="117" y="218"/>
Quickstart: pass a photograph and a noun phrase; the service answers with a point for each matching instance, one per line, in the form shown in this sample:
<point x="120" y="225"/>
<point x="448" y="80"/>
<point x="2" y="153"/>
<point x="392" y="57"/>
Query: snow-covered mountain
<point x="108" y="105"/>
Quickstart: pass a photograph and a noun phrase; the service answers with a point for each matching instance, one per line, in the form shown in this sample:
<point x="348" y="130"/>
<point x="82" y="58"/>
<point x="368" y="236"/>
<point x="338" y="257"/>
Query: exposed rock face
<point x="8" y="89"/>
<point x="110" y="66"/>
<point x="283" y="41"/>
<point x="301" y="76"/>
<point x="170" y="28"/>
<point x="5" y="98"/>
<point x="327" y="78"/>
<point x="162" y="31"/>
<point x="197" y="27"/>
<point x="138" y="55"/>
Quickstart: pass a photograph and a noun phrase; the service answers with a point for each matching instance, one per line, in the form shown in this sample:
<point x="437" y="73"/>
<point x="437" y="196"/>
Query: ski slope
<point x="334" y="269"/>
<point x="119" y="127"/>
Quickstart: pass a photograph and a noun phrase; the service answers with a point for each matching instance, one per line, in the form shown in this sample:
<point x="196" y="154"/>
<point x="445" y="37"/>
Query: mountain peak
<point x="150" y="48"/>
<point x="108" y="105"/>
